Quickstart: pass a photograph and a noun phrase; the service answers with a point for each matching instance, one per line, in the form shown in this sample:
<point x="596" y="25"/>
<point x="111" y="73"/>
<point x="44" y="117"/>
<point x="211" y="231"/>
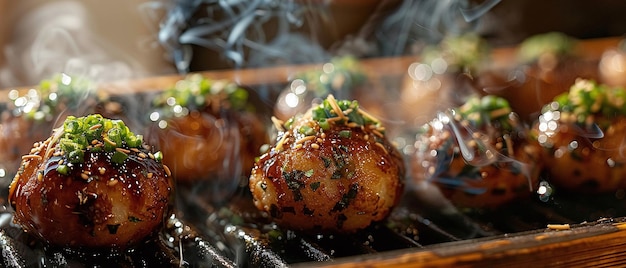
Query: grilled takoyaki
<point x="477" y="154"/>
<point x="94" y="184"/>
<point x="331" y="169"/>
<point x="582" y="136"/>
<point x="206" y="127"/>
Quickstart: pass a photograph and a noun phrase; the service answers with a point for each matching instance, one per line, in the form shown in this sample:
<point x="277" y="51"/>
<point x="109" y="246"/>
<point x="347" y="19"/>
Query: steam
<point x="237" y="31"/>
<point x="60" y="37"/>
<point x="475" y="149"/>
<point x="428" y="22"/>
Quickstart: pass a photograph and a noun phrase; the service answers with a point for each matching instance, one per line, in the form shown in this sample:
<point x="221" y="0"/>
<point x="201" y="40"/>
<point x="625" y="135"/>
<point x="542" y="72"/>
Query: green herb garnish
<point x="555" y="43"/>
<point x="588" y="102"/>
<point x="94" y="133"/>
<point x="488" y="109"/>
<point x="196" y="92"/>
<point x="340" y="74"/>
<point x="350" y="113"/>
<point x="459" y="52"/>
<point x="53" y="95"/>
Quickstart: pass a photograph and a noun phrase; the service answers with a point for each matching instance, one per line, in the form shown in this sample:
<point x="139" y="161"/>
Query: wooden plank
<point x="375" y="68"/>
<point x="595" y="244"/>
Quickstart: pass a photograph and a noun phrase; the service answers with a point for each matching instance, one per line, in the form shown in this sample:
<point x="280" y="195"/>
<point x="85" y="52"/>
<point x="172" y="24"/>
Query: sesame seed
<point x="142" y="155"/>
<point x="333" y="104"/>
<point x="298" y="146"/>
<point x="94" y="127"/>
<point x="167" y="170"/>
<point x="368" y="115"/>
<point x="278" y="123"/>
<point x="31" y="156"/>
<point x="307" y="138"/>
<point x="279" y="144"/>
<point x="112" y="182"/>
<point x="315" y="146"/>
<point x="151" y="156"/>
<point x="122" y="150"/>
<point x="377" y="133"/>
<point x="84" y="176"/>
<point x="39" y="176"/>
<point x="102" y="170"/>
<point x="149" y="175"/>
<point x="333" y="119"/>
<point x="381" y="146"/>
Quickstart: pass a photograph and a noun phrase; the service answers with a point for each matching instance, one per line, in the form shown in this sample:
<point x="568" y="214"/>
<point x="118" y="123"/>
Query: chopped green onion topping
<point x="342" y="112"/>
<point x="460" y="52"/>
<point x="587" y="101"/>
<point x="345" y="133"/>
<point x="555" y="43"/>
<point x="158" y="156"/>
<point x="307" y="130"/>
<point x="324" y="124"/>
<point x="118" y="157"/>
<point x="340" y="74"/>
<point x="92" y="133"/>
<point x="197" y="92"/>
<point x="42" y="103"/>
<point x="325" y="111"/>
<point x="486" y="110"/>
<point x="63" y="169"/>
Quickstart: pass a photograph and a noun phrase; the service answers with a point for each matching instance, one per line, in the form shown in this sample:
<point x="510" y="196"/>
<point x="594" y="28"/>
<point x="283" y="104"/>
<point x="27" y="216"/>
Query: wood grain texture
<point x="596" y="244"/>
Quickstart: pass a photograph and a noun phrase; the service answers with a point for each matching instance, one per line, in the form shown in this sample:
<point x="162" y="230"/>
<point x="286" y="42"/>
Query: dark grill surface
<point x="255" y="242"/>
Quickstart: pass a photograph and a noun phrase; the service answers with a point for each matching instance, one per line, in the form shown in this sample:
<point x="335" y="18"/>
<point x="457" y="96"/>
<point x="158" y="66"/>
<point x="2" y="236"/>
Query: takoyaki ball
<point x="205" y="127"/>
<point x="330" y="170"/>
<point x="582" y="135"/>
<point x="342" y="76"/>
<point x="92" y="184"/>
<point x="548" y="65"/>
<point x="477" y="155"/>
<point x="444" y="76"/>
<point x="30" y="117"/>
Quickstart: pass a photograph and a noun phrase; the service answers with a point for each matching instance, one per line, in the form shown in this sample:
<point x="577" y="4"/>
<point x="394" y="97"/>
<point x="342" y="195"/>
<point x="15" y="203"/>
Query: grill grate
<point x="410" y="227"/>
